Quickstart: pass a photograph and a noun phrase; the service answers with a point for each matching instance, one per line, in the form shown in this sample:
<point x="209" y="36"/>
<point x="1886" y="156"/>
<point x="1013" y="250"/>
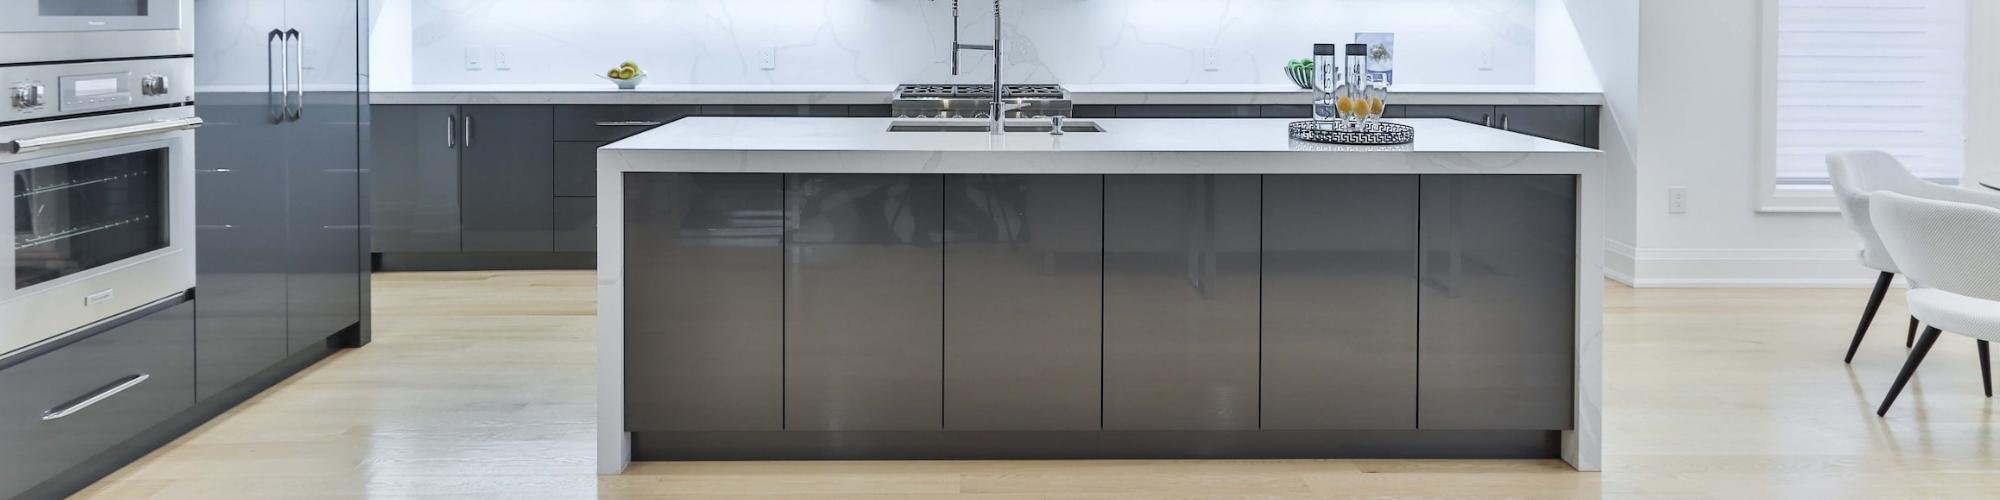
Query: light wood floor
<point x="479" y="385"/>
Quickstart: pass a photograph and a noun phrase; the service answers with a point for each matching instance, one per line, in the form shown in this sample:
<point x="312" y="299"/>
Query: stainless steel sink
<point x="984" y="126"/>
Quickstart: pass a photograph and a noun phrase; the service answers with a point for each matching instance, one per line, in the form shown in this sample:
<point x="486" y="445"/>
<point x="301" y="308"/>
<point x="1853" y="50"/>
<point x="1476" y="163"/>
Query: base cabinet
<point x="864" y="302"/>
<point x="706" y="336"/>
<point x="1181" y="292"/>
<point x="1498" y="316"/>
<point x="1023" y="262"/>
<point x="1340" y="302"/>
<point x="898" y="310"/>
<point x="69" y="404"/>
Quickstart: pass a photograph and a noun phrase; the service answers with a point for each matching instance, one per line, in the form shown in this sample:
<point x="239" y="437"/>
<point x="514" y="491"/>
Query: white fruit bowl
<point x="627" y="83"/>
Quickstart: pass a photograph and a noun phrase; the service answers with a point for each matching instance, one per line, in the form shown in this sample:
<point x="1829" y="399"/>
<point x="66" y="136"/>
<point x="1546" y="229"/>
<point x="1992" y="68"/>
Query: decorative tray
<point x="1384" y="134"/>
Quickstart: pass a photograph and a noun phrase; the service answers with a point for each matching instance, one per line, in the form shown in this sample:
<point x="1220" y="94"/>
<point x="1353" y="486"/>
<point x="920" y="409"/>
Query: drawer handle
<point x="630" y="124"/>
<point x="102" y="394"/>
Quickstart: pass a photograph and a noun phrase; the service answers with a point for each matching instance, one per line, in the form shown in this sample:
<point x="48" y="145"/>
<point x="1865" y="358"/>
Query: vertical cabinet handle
<point x="468" y="131"/>
<point x="298" y="63"/>
<point x="1487" y="120"/>
<point x="103" y="393"/>
<point x="1504" y="125"/>
<point x="450" y="131"/>
<point x="273" y="92"/>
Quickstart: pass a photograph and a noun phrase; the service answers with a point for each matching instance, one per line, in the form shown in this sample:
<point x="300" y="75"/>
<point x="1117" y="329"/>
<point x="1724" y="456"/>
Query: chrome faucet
<point x="998" y="111"/>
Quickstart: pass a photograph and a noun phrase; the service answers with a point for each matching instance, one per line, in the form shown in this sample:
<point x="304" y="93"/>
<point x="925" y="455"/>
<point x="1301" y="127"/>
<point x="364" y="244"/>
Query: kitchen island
<point x="825" y="288"/>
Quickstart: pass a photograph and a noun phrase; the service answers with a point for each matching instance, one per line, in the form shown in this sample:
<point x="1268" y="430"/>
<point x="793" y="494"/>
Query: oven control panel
<point x="59" y="90"/>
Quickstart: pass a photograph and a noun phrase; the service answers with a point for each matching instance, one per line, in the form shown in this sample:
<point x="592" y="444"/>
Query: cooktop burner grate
<point x="965" y="91"/>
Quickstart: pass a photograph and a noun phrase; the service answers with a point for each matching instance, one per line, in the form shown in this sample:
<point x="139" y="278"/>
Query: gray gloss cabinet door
<point x="414" y="179"/>
<point x="152" y="358"/>
<point x="704" y="316"/>
<point x="864" y="302"/>
<point x="1569" y="124"/>
<point x="1340" y="302"/>
<point x="1498" y="302"/>
<point x="1023" y="261"/>
<point x="1181" y="294"/>
<point x="506" y="169"/>
<point x="323" y="285"/>
<point x="1476" y="115"/>
<point x="240" y="197"/>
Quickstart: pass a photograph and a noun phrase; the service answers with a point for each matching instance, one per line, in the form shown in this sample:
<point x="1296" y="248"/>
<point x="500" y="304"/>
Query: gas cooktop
<point x="979" y="91"/>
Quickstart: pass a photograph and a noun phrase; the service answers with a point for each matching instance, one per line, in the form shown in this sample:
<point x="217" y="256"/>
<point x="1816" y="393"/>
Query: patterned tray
<point x="1388" y="134"/>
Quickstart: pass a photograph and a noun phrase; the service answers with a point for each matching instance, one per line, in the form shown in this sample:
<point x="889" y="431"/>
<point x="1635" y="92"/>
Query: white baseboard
<point x="1619" y="262"/>
<point x="1742" y="268"/>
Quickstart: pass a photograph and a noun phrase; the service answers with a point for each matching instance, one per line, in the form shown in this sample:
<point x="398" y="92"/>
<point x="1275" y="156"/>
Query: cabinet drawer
<point x="64" y="406"/>
<point x="611" y="123"/>
<point x="576" y="168"/>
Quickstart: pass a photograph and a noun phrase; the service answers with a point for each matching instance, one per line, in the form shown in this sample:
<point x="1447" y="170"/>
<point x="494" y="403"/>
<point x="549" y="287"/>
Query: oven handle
<point x="66" y="140"/>
<point x="102" y="394"/>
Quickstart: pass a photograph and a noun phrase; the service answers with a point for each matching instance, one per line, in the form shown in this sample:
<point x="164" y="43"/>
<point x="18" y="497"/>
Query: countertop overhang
<point x="1129" y="146"/>
<point x="866" y="94"/>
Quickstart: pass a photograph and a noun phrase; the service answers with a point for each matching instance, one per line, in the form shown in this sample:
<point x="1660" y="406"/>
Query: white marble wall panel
<point x="1452" y="42"/>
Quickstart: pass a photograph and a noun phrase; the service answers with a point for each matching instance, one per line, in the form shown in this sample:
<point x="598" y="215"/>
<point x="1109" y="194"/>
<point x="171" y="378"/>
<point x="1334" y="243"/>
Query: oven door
<point x="103" y="221"/>
<point x="35" y="16"/>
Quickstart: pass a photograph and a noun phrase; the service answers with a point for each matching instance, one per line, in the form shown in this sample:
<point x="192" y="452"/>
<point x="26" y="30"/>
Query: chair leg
<point x="1912" y="340"/>
<point x="1868" y="315"/>
<point x="1986" y="368"/>
<point x="1917" y="353"/>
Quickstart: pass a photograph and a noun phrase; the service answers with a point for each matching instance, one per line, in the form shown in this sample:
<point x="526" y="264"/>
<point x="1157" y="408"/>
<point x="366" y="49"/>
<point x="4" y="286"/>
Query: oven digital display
<point x="94" y="87"/>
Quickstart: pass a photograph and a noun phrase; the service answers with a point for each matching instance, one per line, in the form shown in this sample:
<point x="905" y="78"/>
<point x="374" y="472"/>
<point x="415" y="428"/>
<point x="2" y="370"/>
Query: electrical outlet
<point x="472" y="58"/>
<point x="769" y="58"/>
<point x="1211" y="59"/>
<point x="503" y="57"/>
<point x="1488" y="59"/>
<point x="1677" y="200"/>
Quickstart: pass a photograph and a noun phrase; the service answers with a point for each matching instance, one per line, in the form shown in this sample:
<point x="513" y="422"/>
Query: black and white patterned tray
<point x="1386" y="134"/>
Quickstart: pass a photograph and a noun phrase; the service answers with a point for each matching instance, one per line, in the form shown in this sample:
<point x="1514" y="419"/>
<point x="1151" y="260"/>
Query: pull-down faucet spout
<point x="998" y="111"/>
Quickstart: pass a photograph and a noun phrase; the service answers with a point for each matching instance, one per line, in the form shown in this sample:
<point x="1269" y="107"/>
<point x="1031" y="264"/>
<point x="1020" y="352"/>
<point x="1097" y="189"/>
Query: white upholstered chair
<point x="1856" y="175"/>
<point x="1953" y="250"/>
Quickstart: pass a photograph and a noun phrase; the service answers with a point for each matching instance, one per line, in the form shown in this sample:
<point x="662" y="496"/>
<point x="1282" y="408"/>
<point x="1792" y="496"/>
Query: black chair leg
<point x="1917" y="353"/>
<point x="1912" y="340"/>
<point x="1868" y="315"/>
<point x="1986" y="368"/>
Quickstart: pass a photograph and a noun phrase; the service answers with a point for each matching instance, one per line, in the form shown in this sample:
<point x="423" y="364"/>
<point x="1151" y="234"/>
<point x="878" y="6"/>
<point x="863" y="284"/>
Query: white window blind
<point x="1871" y="74"/>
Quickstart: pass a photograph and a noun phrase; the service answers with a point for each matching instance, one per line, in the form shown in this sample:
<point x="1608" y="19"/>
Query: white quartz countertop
<point x="863" y="94"/>
<point x="1120" y="135"/>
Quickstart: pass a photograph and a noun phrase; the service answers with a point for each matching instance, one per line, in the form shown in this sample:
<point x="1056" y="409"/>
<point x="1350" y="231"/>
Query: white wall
<point x="896" y="41"/>
<point x="1609" y="33"/>
<point x="1699" y="61"/>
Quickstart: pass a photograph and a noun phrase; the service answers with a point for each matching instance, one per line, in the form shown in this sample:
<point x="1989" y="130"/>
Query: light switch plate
<point x="472" y="58"/>
<point x="1677" y="200"/>
<point x="503" y="57"/>
<point x="1211" y="59"/>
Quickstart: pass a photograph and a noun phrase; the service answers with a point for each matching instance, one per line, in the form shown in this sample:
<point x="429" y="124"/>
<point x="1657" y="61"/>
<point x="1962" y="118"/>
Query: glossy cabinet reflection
<point x="864" y="308"/>
<point x="1340" y="302"/>
<point x="239" y="212"/>
<point x="1499" y="314"/>
<point x="1180" y="302"/>
<point x="323" y="292"/>
<point x="704" y="317"/>
<point x="1023" y="257"/>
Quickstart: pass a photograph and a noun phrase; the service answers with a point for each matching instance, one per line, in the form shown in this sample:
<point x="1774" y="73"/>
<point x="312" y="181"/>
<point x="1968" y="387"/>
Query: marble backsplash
<point x="426" y="42"/>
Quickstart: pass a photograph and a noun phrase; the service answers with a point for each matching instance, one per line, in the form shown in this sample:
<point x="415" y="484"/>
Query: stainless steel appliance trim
<point x="102" y="394"/>
<point x="25" y="352"/>
<point x="298" y="62"/>
<point x="66" y="140"/>
<point x="273" y="91"/>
